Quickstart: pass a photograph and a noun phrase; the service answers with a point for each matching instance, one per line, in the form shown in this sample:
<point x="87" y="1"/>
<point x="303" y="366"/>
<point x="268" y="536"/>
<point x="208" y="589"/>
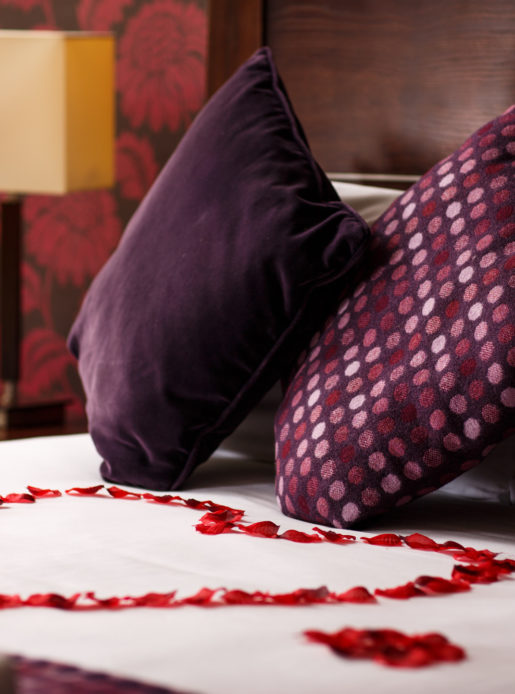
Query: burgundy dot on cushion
<point x="423" y="387"/>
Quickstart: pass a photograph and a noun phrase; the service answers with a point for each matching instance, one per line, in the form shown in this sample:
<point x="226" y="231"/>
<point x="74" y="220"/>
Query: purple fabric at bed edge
<point x="237" y="253"/>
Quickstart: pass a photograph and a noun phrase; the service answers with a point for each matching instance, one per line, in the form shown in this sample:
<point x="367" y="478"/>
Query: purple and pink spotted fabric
<point x="412" y="380"/>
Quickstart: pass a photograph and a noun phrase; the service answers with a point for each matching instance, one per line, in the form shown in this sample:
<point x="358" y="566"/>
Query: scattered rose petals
<point x="118" y="493"/>
<point x="299" y="536"/>
<point x="418" y="541"/>
<point x="386" y="540"/>
<point x="85" y="491"/>
<point x="19" y="499"/>
<point x="335" y="538"/>
<point x="44" y="493"/>
<point x="359" y="594"/>
<point x="390" y="647"/>
<point x="261" y="529"/>
<point x="404" y="592"/>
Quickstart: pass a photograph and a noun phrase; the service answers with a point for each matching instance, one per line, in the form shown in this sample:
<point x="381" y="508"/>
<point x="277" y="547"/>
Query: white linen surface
<point x="121" y="547"/>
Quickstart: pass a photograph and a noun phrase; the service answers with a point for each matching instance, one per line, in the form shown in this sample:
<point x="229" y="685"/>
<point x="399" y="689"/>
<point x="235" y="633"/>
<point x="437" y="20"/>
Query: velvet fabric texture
<point x="237" y="252"/>
<point x="412" y="380"/>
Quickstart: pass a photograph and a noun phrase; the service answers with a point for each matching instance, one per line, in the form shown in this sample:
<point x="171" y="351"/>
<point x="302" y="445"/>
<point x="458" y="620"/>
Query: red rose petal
<point x="299" y="536"/>
<point x="18" y="499"/>
<point x="386" y="540"/>
<point x="418" y="541"/>
<point x="404" y="592"/>
<point x="43" y="493"/>
<point x="335" y="538"/>
<point x="85" y="491"/>
<point x="261" y="529"/>
<point x="118" y="493"/>
<point x="389" y="647"/>
<point x="359" y="594"/>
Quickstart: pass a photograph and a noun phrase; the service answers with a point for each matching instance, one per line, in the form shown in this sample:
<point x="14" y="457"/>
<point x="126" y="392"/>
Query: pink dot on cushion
<point x="323" y="507"/>
<point x="380" y="406"/>
<point x="449" y="193"/>
<point x="336" y="415"/>
<point x="359" y="419"/>
<point x="305" y="466"/>
<point x="457" y="226"/>
<point x="350" y="512"/>
<point x="478" y="210"/>
<point x="370" y="497"/>
<point x="377" y="389"/>
<point x="321" y="448"/>
<point x="475" y="195"/>
<point x="500" y="313"/>
<point x="498" y="182"/>
<point x="289" y="505"/>
<point x="508" y="397"/>
<point x="434" y="225"/>
<point x="391" y="484"/>
<point x="486" y="351"/>
<point x="490" y="154"/>
<point x="466" y="153"/>
<point x="481" y="331"/>
<point x="328" y="469"/>
<point x="318" y="430"/>
<point x="412" y="470"/>
<point x="472" y="428"/>
<point x="302" y="448"/>
<point x="452" y="442"/>
<point x="376" y="461"/>
<point x="280" y="485"/>
<point x="421" y="377"/>
<point x="458" y="404"/>
<point x="337" y="490"/>
<point x="366" y="438"/>
<point x="495" y="373"/>
<point x="437" y="419"/>
<point x="447" y="381"/>
<point x="444" y="168"/>
<point x="468" y="166"/>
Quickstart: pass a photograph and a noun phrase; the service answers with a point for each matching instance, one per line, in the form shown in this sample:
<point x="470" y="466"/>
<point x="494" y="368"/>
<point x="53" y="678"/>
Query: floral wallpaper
<point x="160" y="85"/>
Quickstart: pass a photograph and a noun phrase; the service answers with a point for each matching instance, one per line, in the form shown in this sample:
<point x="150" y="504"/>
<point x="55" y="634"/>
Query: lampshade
<point x="56" y="111"/>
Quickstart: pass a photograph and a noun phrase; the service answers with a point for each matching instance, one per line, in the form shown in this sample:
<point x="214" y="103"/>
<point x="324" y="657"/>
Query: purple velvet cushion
<point x="412" y="380"/>
<point x="229" y="262"/>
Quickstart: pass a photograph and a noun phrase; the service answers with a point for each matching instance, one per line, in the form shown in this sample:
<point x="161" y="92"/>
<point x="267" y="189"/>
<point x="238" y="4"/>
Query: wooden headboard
<point x="380" y="86"/>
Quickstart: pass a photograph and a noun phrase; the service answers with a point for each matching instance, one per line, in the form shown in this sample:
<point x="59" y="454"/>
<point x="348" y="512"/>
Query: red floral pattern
<point x="68" y="239"/>
<point x="136" y="166"/>
<point x="161" y="64"/>
<point x="82" y="226"/>
<point x="100" y="15"/>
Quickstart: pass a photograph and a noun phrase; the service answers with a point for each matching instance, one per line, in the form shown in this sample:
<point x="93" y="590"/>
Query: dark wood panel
<point x="393" y="85"/>
<point x="235" y="32"/>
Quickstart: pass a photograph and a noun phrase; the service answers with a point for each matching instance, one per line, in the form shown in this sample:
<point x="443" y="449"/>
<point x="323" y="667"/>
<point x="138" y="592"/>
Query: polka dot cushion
<point x="412" y="381"/>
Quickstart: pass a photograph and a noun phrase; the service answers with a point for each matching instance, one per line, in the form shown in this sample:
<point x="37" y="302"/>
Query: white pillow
<point x="492" y="480"/>
<point x="369" y="201"/>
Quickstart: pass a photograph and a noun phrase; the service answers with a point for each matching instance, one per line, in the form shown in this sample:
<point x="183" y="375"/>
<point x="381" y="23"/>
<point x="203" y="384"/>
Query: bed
<point x="210" y="588"/>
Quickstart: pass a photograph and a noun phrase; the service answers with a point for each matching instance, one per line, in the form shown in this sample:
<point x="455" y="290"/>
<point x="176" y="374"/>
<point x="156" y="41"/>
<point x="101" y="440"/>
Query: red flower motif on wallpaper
<point x="136" y="167"/>
<point x="27" y="5"/>
<point x="161" y="67"/>
<point x="44" y="360"/>
<point x="72" y="235"/>
<point x="99" y="15"/>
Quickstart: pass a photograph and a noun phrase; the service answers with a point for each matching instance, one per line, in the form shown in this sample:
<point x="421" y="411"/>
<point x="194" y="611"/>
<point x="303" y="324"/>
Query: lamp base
<point x="32" y="414"/>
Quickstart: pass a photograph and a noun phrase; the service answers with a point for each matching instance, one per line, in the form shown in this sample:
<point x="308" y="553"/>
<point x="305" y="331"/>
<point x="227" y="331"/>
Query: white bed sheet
<point x="117" y="547"/>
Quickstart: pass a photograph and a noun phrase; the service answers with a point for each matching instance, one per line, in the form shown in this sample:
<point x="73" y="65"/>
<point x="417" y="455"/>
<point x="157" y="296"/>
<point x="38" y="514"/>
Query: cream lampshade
<point x="57" y="128"/>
